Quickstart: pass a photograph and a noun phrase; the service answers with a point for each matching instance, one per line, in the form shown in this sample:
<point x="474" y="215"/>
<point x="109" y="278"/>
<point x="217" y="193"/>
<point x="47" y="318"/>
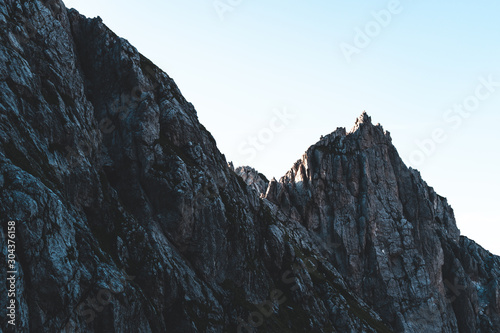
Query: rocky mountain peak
<point x="353" y="190"/>
<point x="364" y="118"/>
<point x="129" y="219"/>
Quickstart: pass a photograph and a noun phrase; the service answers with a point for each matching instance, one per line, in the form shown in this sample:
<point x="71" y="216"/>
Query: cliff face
<point x="129" y="219"/>
<point x="397" y="244"/>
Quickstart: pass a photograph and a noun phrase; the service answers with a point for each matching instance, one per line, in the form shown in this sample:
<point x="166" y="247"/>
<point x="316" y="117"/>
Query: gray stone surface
<point x="253" y="178"/>
<point x="129" y="219"/>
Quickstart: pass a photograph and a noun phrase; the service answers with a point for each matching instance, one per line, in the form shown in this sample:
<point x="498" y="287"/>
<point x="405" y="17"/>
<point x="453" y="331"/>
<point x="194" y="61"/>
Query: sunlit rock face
<point x="129" y="219"/>
<point x="253" y="178"/>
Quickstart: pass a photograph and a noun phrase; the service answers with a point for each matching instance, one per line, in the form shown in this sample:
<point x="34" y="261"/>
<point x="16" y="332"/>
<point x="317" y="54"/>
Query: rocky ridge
<point x="129" y="219"/>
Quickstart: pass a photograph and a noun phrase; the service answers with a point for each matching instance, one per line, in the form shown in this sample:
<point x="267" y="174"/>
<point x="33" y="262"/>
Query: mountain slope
<point x="398" y="244"/>
<point x="128" y="218"/>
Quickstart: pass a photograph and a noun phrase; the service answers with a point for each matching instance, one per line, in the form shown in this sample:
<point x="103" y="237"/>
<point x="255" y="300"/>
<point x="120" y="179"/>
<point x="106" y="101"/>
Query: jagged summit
<point x="364" y="130"/>
<point x="364" y="118"/>
<point x="362" y="136"/>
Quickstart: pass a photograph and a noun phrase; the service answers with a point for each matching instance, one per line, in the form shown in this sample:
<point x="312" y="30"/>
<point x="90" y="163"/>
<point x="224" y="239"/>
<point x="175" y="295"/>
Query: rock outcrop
<point x="253" y="178"/>
<point x="397" y="244"/>
<point x="129" y="219"/>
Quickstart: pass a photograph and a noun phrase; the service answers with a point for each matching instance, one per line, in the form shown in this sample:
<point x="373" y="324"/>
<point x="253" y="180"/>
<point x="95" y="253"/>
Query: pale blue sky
<point x="275" y="55"/>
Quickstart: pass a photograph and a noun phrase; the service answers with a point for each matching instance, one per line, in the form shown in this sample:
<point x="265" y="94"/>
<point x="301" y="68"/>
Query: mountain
<point x="129" y="219"/>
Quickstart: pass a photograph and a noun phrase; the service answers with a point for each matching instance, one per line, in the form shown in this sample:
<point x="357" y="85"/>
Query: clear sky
<point x="269" y="77"/>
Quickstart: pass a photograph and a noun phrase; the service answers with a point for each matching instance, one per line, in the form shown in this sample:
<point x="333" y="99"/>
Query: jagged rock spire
<point x="364" y="118"/>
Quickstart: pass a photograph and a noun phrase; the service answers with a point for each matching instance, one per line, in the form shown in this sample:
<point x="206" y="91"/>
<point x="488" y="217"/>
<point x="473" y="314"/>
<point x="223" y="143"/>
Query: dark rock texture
<point x="129" y="219"/>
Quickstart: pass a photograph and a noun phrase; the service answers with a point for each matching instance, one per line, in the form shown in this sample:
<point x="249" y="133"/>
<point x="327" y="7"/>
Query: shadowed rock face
<point x="128" y="218"/>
